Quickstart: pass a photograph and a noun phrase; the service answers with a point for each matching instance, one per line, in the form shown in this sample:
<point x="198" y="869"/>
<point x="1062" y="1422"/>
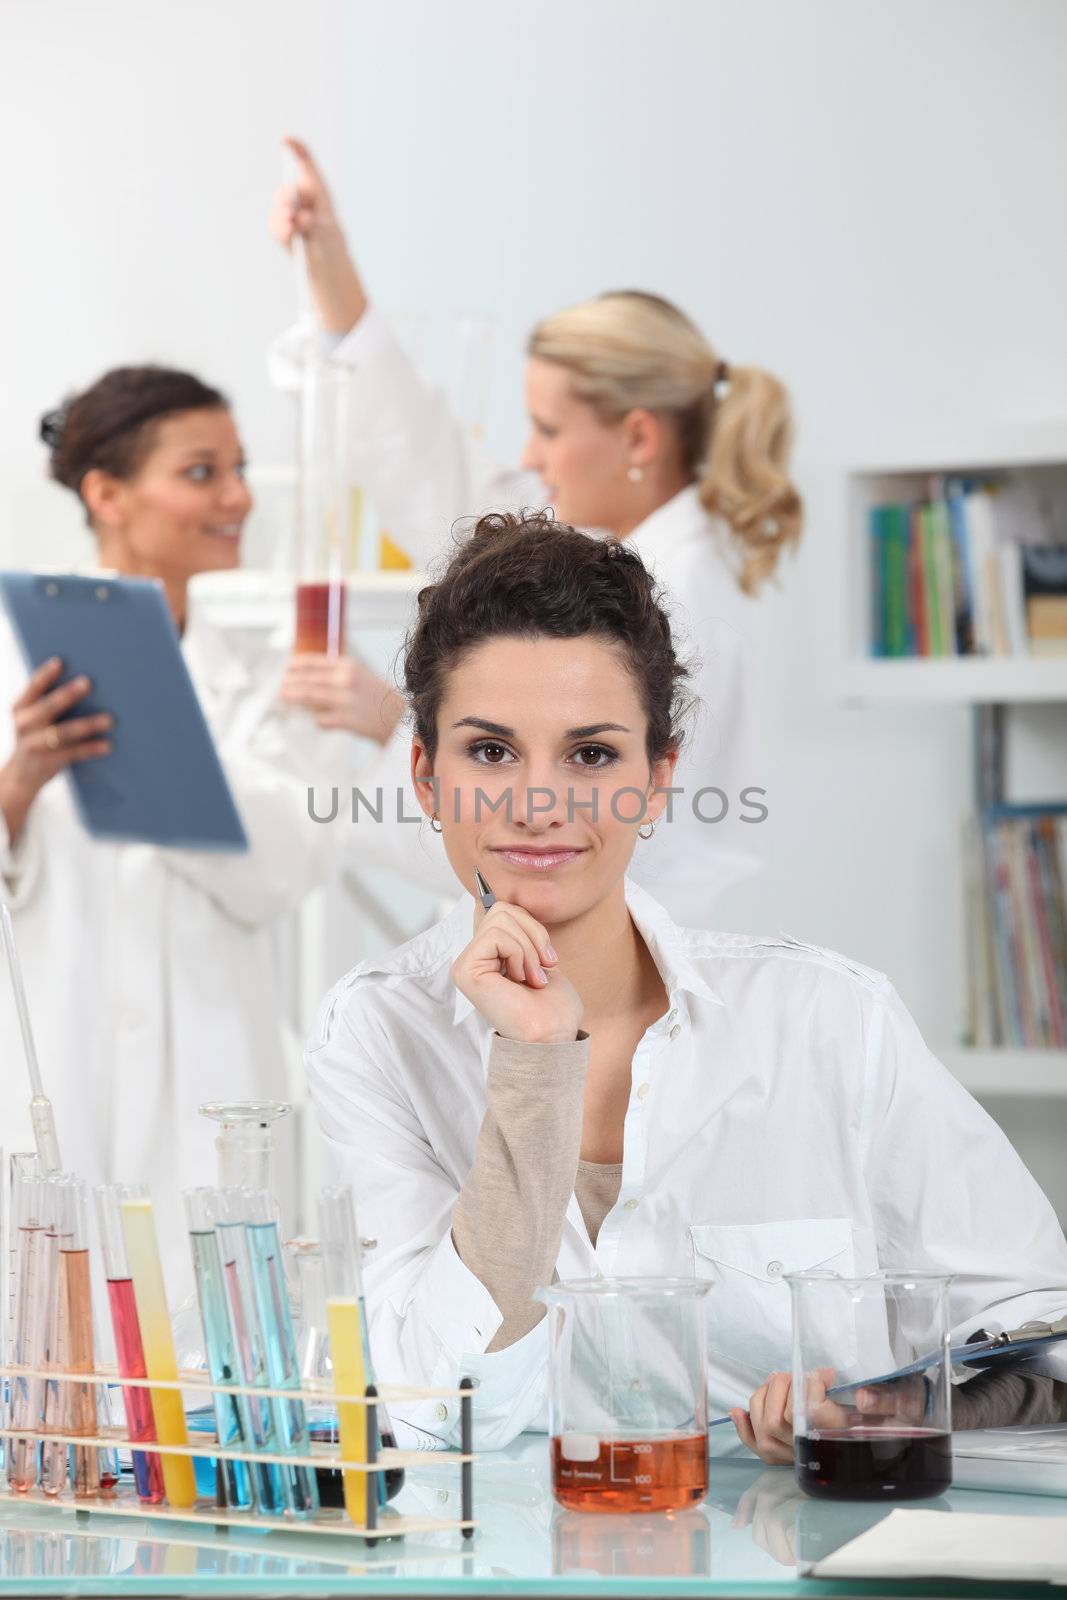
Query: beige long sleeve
<point x="507" y="1222"/>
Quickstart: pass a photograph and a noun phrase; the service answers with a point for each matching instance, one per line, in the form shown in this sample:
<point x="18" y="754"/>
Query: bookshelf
<point x="1032" y="464"/>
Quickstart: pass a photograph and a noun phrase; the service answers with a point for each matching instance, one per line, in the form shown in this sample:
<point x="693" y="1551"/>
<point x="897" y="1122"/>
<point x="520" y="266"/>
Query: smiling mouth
<point x="538" y="860"/>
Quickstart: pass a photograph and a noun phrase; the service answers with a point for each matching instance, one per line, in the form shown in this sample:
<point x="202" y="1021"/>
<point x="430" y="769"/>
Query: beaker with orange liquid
<point x="627" y="1393"/>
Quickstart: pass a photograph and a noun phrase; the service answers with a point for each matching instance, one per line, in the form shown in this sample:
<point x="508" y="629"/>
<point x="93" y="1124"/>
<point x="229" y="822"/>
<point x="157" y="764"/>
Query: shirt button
<point x="672" y="1016"/>
<point x="775" y="1269"/>
<point x="441" y="1411"/>
<point x="642" y="1090"/>
<point x="631" y="1205"/>
<point x="676" y="1030"/>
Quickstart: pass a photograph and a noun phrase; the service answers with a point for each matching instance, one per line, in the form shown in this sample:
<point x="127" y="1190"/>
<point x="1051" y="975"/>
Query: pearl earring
<point x="634" y="474"/>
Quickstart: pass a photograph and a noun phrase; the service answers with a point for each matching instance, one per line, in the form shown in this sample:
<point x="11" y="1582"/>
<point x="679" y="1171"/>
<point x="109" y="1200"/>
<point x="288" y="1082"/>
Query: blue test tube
<point x="232" y="1420"/>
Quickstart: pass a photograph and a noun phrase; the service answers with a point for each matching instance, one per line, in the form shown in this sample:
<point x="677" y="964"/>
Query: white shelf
<point x="1026" y="1074"/>
<point x="959" y="680"/>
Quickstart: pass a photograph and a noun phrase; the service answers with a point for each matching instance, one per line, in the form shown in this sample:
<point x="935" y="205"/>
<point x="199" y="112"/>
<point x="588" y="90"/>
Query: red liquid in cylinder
<point x="631" y="1474"/>
<point x="874" y="1463"/>
<point x="320" y="619"/>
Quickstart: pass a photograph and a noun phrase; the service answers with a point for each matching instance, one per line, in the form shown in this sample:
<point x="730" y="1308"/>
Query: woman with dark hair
<point x="150" y="972"/>
<point x="575" y="1085"/>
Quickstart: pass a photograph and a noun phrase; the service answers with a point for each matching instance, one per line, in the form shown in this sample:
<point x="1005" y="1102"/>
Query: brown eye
<point x="489" y="753"/>
<point x="595" y="755"/>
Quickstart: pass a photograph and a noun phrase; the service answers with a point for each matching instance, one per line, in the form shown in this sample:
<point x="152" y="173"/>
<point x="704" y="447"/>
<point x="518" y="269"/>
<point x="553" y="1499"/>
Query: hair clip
<point x="52" y="425"/>
<point x="614" y="549"/>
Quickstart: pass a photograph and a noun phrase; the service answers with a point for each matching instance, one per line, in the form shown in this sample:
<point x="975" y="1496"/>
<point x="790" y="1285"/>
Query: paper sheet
<point x="911" y="1544"/>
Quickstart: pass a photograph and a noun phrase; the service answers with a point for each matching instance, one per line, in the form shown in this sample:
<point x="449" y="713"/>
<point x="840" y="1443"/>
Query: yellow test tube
<point x="142" y="1249"/>
<point x="344" y="1321"/>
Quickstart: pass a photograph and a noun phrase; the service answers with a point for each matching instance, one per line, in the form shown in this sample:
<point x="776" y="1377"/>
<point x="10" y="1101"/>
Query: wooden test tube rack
<point x="125" y="1502"/>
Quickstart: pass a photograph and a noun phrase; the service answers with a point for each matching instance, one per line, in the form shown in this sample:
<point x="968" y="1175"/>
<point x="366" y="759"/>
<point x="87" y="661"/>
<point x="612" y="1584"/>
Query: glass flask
<point x="245" y="1141"/>
<point x="627" y="1393"/>
<point x="863" y="1427"/>
<point x="316" y="1367"/>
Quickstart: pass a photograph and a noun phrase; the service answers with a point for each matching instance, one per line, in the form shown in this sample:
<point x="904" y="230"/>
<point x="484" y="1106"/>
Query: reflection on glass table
<point x="754" y="1533"/>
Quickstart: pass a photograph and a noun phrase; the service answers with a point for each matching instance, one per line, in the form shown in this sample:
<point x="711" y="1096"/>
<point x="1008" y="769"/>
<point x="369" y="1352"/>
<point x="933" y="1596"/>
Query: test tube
<point x="248" y="1342"/>
<point x="345" y="1320"/>
<point x="76" y="1311"/>
<point x="54" y="1457"/>
<point x="140" y="1420"/>
<point x="150" y="1297"/>
<point x="29" y="1324"/>
<point x="232" y="1423"/>
<point x="283" y="1367"/>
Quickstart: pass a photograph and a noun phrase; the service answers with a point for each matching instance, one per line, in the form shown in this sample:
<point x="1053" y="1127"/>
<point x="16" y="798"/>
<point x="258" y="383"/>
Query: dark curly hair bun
<point x="529" y="576"/>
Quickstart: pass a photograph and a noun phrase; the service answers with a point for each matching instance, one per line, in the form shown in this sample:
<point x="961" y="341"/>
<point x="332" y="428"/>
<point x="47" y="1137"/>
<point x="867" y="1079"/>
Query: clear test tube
<point x="345" y="1320"/>
<point x="232" y="1422"/>
<point x="279" y="1339"/>
<point x="77" y="1324"/>
<point x="54" y="1457"/>
<point x="140" y="1419"/>
<point x="29" y="1323"/>
<point x="249" y="1344"/>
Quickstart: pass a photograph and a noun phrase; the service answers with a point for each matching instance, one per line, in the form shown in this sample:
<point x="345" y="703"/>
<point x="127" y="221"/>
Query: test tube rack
<point x="380" y="1523"/>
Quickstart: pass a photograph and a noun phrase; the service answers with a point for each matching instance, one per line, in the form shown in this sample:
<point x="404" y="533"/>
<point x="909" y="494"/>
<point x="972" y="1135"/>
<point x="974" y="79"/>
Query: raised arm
<point x="420" y="466"/>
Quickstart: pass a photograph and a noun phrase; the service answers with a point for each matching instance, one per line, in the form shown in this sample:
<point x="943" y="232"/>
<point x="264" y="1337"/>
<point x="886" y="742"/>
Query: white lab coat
<point x="784" y="1115"/>
<point x="150" y="973"/>
<point x="424" y="473"/>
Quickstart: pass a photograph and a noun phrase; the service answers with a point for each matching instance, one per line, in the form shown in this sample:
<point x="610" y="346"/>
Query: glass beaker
<point x="627" y="1393"/>
<point x="871" y="1385"/>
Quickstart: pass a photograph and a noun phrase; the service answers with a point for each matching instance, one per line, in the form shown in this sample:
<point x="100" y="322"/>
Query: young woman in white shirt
<point x="572" y="1084"/>
<point x="638" y="428"/>
<point x="151" y="973"/>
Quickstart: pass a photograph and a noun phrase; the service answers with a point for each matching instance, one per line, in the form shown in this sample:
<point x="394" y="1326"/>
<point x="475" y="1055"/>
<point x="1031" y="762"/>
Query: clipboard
<point x="163" y="782"/>
<point x="981" y="1350"/>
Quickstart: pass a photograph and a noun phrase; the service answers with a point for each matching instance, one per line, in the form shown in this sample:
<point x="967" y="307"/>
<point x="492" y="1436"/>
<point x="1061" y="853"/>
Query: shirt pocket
<point x="749" y="1315"/>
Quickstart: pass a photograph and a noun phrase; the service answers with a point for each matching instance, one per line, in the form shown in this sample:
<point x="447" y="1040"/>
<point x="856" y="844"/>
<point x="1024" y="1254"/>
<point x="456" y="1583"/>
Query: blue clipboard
<point x="992" y="1351"/>
<point x="163" y="783"/>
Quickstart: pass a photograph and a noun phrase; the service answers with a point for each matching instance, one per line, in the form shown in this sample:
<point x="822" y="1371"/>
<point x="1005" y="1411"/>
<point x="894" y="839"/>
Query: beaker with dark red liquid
<point x="628" y="1414"/>
<point x="866" y="1424"/>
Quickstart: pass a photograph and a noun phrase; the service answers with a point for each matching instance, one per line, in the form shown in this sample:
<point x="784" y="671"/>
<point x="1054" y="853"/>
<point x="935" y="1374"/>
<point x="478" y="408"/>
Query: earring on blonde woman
<point x="651" y="826"/>
<point x="635" y="474"/>
<point x="435" y="823"/>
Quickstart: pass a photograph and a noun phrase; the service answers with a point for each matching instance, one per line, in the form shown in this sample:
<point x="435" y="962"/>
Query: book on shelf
<point x="1015" y="889"/>
<point x="960" y="574"/>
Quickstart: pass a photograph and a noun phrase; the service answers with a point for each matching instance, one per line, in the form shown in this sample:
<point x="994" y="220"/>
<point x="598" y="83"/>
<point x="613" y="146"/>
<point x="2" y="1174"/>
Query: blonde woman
<point x="638" y="428"/>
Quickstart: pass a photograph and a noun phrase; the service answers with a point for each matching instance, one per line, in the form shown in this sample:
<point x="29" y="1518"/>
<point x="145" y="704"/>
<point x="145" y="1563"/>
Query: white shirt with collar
<point x="784" y="1114"/>
<point x="424" y="472"/>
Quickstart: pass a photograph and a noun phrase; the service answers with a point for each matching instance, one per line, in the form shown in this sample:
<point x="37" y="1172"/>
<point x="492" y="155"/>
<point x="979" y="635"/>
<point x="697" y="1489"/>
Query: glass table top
<point x="753" y="1536"/>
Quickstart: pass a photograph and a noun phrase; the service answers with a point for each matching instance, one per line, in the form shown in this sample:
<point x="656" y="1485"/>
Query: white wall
<point x="865" y="195"/>
<point x="141" y="148"/>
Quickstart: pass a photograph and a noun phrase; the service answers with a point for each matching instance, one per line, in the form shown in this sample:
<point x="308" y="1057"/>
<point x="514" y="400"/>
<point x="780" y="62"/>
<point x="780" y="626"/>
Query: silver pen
<point x="483" y="892"/>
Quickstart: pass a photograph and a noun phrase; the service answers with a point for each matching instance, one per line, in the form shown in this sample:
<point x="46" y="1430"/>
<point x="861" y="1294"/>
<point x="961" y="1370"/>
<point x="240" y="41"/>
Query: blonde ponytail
<point x="630" y="351"/>
<point x="743" y="477"/>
